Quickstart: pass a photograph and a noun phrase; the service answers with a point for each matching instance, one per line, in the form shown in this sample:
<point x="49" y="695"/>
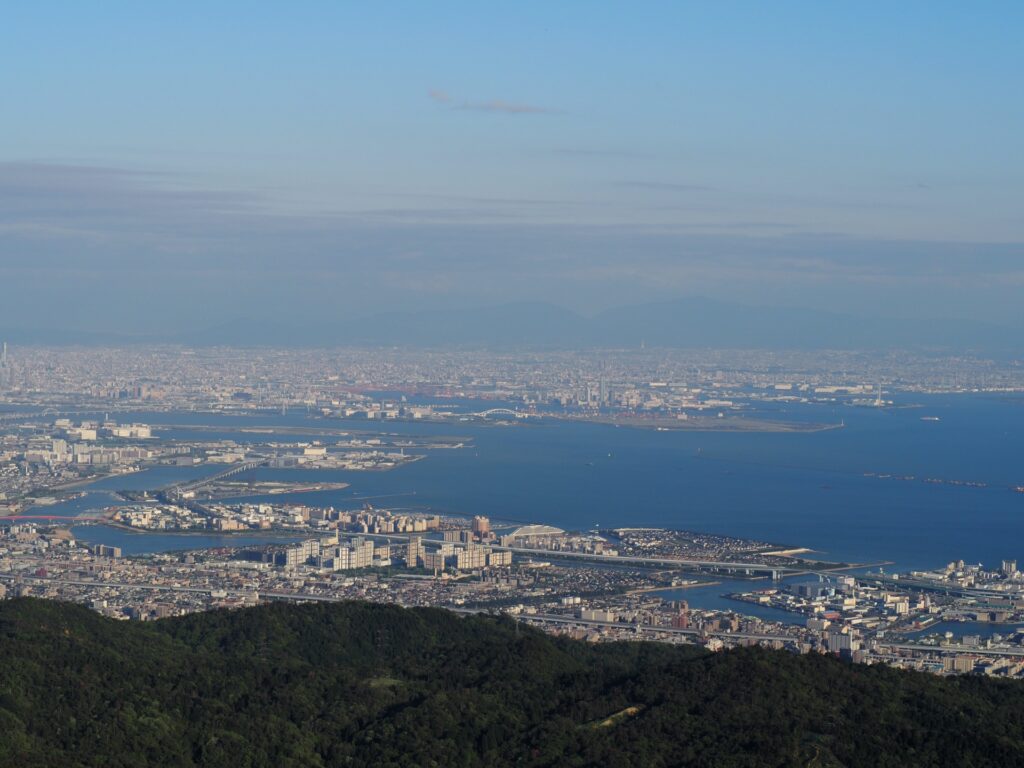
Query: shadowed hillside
<point x="370" y="685"/>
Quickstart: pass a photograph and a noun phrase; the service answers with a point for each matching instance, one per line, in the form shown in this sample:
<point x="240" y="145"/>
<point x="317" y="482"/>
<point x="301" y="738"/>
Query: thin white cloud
<point x="491" y="105"/>
<point x="666" y="186"/>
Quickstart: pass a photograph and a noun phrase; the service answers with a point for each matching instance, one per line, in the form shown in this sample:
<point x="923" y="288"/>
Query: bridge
<point x="18" y="416"/>
<point x="501" y="412"/>
<point x="932" y="586"/>
<point x="195" y="485"/>
<point x="83" y="518"/>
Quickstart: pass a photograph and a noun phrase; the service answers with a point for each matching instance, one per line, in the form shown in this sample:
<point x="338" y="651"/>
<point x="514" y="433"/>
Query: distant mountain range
<point x="681" y="323"/>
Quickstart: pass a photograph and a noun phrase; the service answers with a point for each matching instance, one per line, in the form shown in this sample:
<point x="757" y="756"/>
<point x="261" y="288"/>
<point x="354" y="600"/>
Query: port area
<point x="983" y="605"/>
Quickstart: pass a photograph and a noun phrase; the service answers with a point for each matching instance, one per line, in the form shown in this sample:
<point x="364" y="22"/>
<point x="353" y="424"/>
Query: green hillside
<point x="368" y="685"/>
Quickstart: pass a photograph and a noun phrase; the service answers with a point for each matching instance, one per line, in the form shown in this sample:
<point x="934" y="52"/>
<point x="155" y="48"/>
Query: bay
<point x="887" y="486"/>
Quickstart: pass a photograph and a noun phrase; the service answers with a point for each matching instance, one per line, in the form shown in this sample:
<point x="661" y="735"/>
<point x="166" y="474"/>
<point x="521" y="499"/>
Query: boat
<point x="929" y="418"/>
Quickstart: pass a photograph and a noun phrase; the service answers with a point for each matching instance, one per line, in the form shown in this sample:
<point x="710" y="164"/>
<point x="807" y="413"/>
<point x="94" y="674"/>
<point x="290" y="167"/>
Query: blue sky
<point x="861" y="156"/>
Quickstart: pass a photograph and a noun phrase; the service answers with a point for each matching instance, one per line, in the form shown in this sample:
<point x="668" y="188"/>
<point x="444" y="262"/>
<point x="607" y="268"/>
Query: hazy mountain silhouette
<point x="683" y="323"/>
<point x="699" y="322"/>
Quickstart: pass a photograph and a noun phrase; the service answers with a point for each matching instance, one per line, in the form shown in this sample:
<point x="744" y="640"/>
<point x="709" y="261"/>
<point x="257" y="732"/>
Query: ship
<point x="929" y="418"/>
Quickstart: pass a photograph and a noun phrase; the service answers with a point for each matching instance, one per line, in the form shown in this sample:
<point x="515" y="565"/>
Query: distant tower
<point x="5" y="370"/>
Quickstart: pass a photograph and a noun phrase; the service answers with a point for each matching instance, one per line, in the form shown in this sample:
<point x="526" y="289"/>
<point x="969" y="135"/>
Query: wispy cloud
<point x="667" y="186"/>
<point x="588" y="153"/>
<point x="59" y="198"/>
<point x="490" y="105"/>
<point x="482" y="199"/>
<point x="66" y="231"/>
<point x="509" y="108"/>
<point x="113" y="223"/>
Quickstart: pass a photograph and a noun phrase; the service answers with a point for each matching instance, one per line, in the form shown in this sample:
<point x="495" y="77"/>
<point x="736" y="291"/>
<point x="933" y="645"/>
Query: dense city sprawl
<point x="70" y="417"/>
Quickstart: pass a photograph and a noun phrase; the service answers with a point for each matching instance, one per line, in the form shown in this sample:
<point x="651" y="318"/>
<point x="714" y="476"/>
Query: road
<point x="670" y="562"/>
<point x="556" y="619"/>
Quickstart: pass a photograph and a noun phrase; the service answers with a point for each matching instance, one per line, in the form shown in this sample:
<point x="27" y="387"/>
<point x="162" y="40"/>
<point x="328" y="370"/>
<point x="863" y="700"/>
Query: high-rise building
<point x="414" y="554"/>
<point x="480" y="526"/>
<point x="471" y="558"/>
<point x="433" y="561"/>
<point x="292" y="556"/>
<point x="499" y="557"/>
<point x="357" y="553"/>
<point x="1009" y="567"/>
<point x="838" y="642"/>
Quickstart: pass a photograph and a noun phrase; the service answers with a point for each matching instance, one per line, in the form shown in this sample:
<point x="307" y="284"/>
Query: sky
<point x="180" y="165"/>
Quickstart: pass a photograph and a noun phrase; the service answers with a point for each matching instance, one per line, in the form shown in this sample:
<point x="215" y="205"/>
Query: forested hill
<point x="368" y="685"/>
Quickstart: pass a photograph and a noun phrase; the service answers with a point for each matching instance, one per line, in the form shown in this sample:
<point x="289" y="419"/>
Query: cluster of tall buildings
<point x="59" y="451"/>
<point x="383" y="521"/>
<point x="460" y="556"/>
<point x="328" y="552"/>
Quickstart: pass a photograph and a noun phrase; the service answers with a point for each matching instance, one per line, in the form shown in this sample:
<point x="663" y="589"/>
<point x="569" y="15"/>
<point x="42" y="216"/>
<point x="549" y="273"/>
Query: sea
<point x="926" y="481"/>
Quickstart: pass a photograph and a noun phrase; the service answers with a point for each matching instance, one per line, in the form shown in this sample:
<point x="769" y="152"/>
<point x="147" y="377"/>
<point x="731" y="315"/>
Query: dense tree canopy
<point x="355" y="684"/>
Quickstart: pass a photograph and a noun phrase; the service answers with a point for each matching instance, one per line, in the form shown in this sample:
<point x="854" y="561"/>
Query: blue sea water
<point x="800" y="489"/>
<point x="713" y="597"/>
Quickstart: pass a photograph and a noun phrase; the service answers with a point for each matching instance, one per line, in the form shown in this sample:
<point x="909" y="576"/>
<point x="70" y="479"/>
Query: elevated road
<point x="547" y="618"/>
<point x="933" y="586"/>
<point x="195" y="485"/>
<point x="83" y="518"/>
<point x="728" y="566"/>
<point x="945" y="649"/>
<point x="747" y="568"/>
